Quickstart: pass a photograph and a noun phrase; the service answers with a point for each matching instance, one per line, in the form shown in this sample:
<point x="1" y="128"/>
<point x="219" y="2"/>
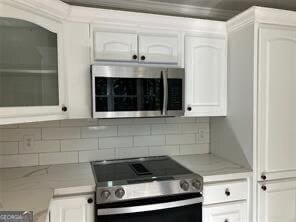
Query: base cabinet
<point x="72" y="209"/>
<point x="231" y="212"/>
<point x="277" y="201"/>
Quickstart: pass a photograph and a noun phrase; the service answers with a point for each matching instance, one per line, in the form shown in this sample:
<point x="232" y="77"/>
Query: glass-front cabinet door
<point x="31" y="86"/>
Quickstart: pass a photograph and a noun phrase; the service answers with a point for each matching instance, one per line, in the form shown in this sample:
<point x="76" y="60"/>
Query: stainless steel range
<point x="147" y="189"/>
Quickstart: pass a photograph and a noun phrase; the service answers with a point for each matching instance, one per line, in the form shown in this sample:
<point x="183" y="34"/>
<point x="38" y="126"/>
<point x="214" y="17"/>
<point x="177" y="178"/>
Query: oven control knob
<point x="119" y="193"/>
<point x="184" y="185"/>
<point x="105" y="194"/>
<point x="196" y="184"/>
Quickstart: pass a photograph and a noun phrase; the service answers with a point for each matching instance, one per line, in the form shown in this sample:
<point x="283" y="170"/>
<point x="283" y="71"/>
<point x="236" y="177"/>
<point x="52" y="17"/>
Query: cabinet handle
<point x="90" y="200"/>
<point x="264" y="188"/>
<point x="263" y="177"/>
<point x="226" y="220"/>
<point x="227" y="192"/>
<point x="64" y="109"/>
<point x="189" y="108"/>
<point x="135" y="56"/>
<point x="143" y="57"/>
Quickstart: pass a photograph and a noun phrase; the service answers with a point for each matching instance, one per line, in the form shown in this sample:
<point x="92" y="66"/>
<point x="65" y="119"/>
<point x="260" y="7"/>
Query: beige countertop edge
<point x="227" y="177"/>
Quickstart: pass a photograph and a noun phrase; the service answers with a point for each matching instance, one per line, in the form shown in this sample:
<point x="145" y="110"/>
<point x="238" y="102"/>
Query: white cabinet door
<point x="115" y="46"/>
<point x="158" y="49"/>
<point x="277" y="102"/>
<point x="72" y="209"/>
<point x="206" y="79"/>
<point x="278" y="202"/>
<point x="77" y="62"/>
<point x="31" y="67"/>
<point x="234" y="212"/>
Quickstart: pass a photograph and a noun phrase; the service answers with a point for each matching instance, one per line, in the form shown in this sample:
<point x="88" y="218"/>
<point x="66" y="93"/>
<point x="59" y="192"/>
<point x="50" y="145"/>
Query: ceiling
<point x="210" y="9"/>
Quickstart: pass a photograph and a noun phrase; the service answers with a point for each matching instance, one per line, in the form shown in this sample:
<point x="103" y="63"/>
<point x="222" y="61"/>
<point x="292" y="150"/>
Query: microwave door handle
<point x="165" y="93"/>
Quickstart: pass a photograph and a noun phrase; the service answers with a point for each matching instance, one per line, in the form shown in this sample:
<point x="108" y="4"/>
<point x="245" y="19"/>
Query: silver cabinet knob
<point x="105" y="194"/>
<point x="196" y="184"/>
<point x="184" y="185"/>
<point x="119" y="193"/>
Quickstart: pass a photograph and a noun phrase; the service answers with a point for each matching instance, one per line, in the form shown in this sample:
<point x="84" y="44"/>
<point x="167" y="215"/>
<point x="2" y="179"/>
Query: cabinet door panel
<point x="158" y="49"/>
<point x="277" y="102"/>
<point x="72" y="209"/>
<point x="234" y="212"/>
<point x="112" y="46"/>
<point x="31" y="67"/>
<point x="278" y="202"/>
<point x="205" y="60"/>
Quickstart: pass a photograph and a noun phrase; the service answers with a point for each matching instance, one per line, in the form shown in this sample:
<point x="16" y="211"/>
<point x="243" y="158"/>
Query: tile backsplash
<point x="83" y="140"/>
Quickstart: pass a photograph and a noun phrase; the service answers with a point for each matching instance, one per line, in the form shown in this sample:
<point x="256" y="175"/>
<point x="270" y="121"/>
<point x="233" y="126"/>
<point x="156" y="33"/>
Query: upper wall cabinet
<point x="276" y="102"/>
<point x="112" y="46"/>
<point x="136" y="48"/>
<point x="158" y="49"/>
<point x="206" y="76"/>
<point x="31" y="72"/>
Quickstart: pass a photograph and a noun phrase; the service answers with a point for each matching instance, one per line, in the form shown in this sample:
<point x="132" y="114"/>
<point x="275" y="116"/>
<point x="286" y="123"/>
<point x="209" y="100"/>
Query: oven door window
<point x="128" y="94"/>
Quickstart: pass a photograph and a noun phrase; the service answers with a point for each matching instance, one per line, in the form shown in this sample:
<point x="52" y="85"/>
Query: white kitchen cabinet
<point x="225" y="192"/>
<point x="31" y="67"/>
<point x="158" y="49"/>
<point x="277" y="102"/>
<point x="115" y="46"/>
<point x="206" y="76"/>
<point x="226" y="201"/>
<point x="131" y="47"/>
<point x="77" y="66"/>
<point x="260" y="130"/>
<point x="72" y="209"/>
<point x="278" y="202"/>
<point x="232" y="212"/>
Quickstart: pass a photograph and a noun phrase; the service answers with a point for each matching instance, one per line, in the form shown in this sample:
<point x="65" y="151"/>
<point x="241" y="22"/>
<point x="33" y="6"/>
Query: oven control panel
<point x="148" y="189"/>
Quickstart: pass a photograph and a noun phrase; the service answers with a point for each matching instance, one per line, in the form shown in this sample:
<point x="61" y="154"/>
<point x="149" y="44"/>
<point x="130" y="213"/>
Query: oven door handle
<point x="164" y="78"/>
<point x="150" y="207"/>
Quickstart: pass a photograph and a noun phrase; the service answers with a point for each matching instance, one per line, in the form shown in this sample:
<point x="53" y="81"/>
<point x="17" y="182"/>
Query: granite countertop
<point x="213" y="168"/>
<point x="32" y="188"/>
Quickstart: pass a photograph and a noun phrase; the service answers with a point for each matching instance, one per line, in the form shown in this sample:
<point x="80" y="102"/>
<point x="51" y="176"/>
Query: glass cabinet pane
<point x="28" y="64"/>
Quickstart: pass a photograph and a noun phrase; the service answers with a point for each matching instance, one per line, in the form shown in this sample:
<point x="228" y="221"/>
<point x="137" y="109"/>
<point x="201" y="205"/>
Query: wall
<point x="232" y="136"/>
<point x="72" y="141"/>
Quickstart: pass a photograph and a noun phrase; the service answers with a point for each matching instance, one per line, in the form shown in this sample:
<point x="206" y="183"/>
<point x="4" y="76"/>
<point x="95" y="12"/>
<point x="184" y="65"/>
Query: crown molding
<point x="54" y="9"/>
<point x="154" y="7"/>
<point x="240" y="20"/>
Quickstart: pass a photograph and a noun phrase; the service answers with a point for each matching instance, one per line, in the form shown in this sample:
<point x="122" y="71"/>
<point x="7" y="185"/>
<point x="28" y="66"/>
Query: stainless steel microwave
<point x="129" y="91"/>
